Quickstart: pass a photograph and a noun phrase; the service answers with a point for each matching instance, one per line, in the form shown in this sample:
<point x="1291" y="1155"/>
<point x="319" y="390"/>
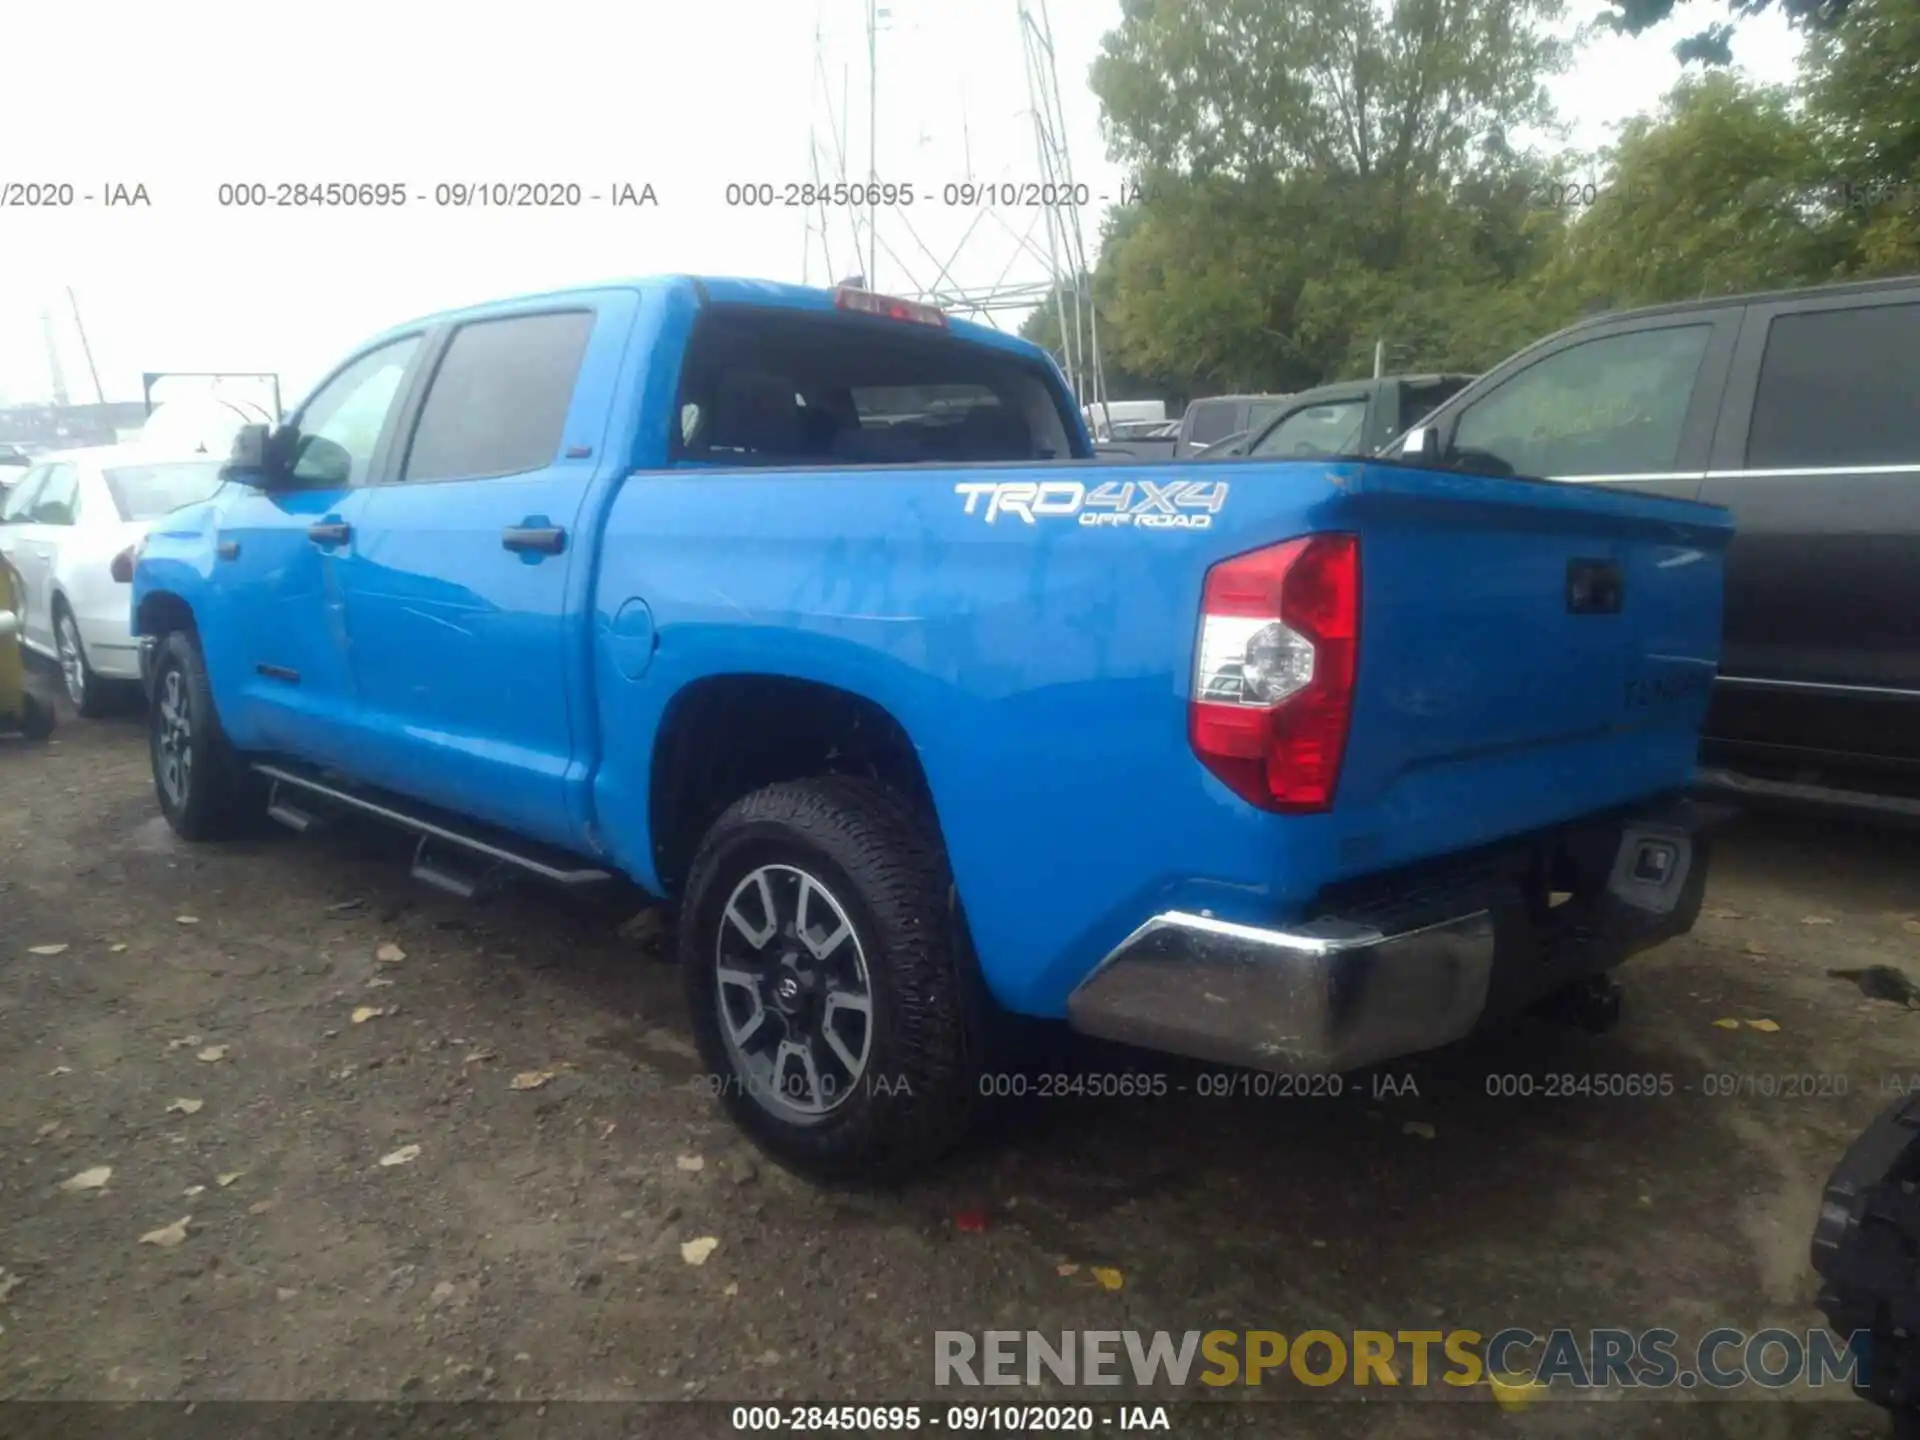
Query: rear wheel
<point x="824" y="972"/>
<point x="87" y="691"/>
<point x="204" y="789"/>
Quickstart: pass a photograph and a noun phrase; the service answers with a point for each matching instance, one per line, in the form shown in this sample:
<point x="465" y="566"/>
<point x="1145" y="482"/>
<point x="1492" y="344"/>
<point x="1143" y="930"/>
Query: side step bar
<point x="1731" y="783"/>
<point x="295" y="817"/>
<point x="425" y="867"/>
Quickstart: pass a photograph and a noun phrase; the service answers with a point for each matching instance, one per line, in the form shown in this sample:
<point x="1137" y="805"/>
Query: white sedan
<point x="63" y="526"/>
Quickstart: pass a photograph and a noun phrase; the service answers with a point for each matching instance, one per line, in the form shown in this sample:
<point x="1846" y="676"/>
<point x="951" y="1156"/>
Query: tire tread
<point x="893" y="855"/>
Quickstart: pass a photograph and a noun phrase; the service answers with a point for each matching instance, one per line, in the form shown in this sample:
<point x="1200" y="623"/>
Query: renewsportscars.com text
<point x="1603" y="1358"/>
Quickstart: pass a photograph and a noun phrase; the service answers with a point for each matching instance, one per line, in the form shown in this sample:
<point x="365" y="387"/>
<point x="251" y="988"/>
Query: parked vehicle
<point x="1140" y="440"/>
<point x="1800" y="412"/>
<point x="69" y="528"/>
<point x="1352" y="417"/>
<point x="1146" y="430"/>
<point x="21" y="711"/>
<point x="1106" y="418"/>
<point x="1220" y="417"/>
<point x="1226" y="448"/>
<point x="13" y="464"/>
<point x="619" y="582"/>
<point x="1866" y="1251"/>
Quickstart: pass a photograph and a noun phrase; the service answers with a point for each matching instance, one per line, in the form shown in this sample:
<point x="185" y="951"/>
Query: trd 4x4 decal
<point x="1143" y="504"/>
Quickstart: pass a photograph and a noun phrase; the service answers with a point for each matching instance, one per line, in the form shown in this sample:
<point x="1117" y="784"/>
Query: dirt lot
<point x="219" y="1027"/>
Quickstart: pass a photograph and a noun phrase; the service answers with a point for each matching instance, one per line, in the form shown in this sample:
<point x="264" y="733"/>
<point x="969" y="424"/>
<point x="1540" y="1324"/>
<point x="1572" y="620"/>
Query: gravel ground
<point x="368" y="1143"/>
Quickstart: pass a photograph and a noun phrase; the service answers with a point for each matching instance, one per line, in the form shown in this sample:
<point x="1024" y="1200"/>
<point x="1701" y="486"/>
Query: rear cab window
<point x="764" y="386"/>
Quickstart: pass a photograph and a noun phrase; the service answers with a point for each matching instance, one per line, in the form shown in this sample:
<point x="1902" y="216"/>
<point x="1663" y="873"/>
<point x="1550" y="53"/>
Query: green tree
<point x="1322" y="172"/>
<point x="1863" y="106"/>
<point x="1721" y="191"/>
<point x="1714" y="45"/>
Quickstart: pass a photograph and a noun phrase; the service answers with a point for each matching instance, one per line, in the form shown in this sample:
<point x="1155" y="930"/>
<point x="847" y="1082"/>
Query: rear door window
<point x="59" y="500"/>
<point x="146" y="492"/>
<point x="18" y="509"/>
<point x="499" y="398"/>
<point x="1613" y="406"/>
<point x="1838" y="388"/>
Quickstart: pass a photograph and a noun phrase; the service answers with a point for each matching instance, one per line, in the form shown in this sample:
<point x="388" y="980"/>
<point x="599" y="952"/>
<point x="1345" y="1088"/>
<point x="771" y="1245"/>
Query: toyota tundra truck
<point x="812" y="614"/>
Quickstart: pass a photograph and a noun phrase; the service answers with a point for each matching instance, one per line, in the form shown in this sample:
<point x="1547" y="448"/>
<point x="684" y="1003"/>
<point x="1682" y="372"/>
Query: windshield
<point x="144" y="492"/>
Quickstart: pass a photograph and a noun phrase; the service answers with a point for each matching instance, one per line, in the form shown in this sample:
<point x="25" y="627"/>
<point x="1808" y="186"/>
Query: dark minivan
<point x="1800" y="412"/>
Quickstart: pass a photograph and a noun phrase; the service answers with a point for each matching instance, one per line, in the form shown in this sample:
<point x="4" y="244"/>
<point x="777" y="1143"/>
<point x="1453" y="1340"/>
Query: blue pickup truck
<point x="811" y="612"/>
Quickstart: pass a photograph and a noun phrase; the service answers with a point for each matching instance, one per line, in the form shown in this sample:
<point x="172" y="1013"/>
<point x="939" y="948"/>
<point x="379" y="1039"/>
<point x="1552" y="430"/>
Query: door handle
<point x="534" y="539"/>
<point x="329" y="532"/>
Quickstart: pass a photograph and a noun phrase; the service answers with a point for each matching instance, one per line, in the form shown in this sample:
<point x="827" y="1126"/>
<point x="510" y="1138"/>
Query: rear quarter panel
<point x="1041" y="666"/>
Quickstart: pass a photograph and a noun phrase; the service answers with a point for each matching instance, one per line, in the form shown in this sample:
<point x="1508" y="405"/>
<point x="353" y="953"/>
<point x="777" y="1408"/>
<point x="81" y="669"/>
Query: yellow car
<point x="19" y="709"/>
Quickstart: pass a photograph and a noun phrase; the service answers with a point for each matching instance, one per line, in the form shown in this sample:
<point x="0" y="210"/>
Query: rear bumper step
<point x="1340" y="993"/>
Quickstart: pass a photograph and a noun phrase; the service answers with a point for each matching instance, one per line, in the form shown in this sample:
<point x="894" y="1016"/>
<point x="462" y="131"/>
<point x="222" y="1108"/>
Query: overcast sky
<point x="181" y="97"/>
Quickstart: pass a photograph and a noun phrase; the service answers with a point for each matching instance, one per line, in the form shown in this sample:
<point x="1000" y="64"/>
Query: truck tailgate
<point x="1529" y="651"/>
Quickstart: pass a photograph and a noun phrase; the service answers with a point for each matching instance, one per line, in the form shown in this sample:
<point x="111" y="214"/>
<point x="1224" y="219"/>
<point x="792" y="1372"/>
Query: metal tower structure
<point x="55" y="371"/>
<point x="1003" y="263"/>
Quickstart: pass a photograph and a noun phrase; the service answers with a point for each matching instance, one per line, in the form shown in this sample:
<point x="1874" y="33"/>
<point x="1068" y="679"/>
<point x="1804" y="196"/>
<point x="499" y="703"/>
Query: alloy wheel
<point x="173" y="737"/>
<point x="73" y="660"/>
<point x="796" y="998"/>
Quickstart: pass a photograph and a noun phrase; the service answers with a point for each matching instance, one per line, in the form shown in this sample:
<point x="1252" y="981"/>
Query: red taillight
<point x="1274" y="669"/>
<point x="122" y="566"/>
<point x="868" y="303"/>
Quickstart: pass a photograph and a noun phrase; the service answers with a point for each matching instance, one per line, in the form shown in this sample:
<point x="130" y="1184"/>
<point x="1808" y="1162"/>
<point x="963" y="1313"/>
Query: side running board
<point x="1732" y="784"/>
<point x="495" y="850"/>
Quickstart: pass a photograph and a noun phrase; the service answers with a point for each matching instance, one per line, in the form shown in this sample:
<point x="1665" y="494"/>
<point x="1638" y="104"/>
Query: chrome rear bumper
<point x="1327" y="997"/>
<point x="1339" y="994"/>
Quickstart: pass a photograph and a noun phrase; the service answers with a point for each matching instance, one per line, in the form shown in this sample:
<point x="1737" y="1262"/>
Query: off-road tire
<point x="220" y="798"/>
<point x="881" y="860"/>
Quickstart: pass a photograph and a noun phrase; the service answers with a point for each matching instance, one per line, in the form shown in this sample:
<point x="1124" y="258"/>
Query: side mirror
<point x="1421" y="445"/>
<point x="250" y="461"/>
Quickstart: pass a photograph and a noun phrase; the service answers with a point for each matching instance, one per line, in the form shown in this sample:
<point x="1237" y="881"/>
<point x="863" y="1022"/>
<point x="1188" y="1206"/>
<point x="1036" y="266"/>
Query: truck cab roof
<point x="715" y="290"/>
<point x="1751" y="297"/>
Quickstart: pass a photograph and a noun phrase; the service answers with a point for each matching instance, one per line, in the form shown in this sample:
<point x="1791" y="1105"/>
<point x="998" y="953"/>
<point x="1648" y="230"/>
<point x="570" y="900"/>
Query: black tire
<point x="92" y="697"/>
<point x="884" y="870"/>
<point x="216" y="797"/>
<point x="36" y="718"/>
